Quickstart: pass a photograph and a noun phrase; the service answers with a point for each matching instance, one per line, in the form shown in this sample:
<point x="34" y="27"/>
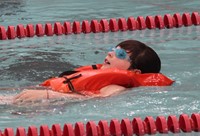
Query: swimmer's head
<point x="133" y="55"/>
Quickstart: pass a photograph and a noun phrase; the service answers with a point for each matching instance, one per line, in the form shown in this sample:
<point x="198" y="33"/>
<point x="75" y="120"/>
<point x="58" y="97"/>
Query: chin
<point x="105" y="66"/>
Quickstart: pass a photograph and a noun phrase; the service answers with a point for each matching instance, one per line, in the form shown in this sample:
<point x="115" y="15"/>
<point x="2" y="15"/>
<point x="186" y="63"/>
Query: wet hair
<point x="142" y="56"/>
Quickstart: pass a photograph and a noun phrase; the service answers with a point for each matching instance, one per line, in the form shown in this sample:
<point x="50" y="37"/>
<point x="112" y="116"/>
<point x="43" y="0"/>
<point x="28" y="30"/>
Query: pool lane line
<point x="136" y="126"/>
<point x="94" y="26"/>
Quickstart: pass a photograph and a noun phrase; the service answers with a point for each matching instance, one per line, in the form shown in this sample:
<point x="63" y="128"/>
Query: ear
<point x="137" y="71"/>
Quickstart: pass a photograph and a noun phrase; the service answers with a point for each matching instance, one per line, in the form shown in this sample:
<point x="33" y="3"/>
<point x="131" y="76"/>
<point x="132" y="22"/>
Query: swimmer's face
<point x="117" y="58"/>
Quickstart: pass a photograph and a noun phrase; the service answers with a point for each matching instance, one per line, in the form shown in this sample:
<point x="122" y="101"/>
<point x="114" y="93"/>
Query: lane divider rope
<point x="149" y="125"/>
<point x="94" y="26"/>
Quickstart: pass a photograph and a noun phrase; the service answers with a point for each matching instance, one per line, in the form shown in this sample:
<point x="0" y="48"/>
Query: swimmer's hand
<point x="27" y="96"/>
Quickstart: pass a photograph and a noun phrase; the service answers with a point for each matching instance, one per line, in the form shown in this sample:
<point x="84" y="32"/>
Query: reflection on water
<point x="35" y="68"/>
<point x="10" y="7"/>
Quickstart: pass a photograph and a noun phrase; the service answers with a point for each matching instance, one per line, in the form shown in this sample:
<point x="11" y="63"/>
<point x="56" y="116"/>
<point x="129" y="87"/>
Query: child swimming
<point x="130" y="64"/>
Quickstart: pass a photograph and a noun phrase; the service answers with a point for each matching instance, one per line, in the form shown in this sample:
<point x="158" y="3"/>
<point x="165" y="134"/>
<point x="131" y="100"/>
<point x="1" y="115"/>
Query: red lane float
<point x="30" y="30"/>
<point x="67" y="28"/>
<point x="177" y="20"/>
<point x="132" y="24"/>
<point x="173" y="124"/>
<point x="137" y="126"/>
<point x="32" y="131"/>
<point x="39" y="30"/>
<point x="159" y="22"/>
<point x="113" y="25"/>
<point x="195" y="18"/>
<point x="161" y="124"/>
<point x="150" y="125"/>
<point x="21" y="32"/>
<point x="126" y="127"/>
<point x="44" y="130"/>
<point x="56" y="130"/>
<point x="86" y="27"/>
<point x="68" y="130"/>
<point x="1" y="133"/>
<point x="95" y="26"/>
<point x="103" y="128"/>
<point x="58" y="28"/>
<point x="91" y="129"/>
<point x="184" y="123"/>
<point x="187" y="19"/>
<point x="20" y="131"/>
<point x="8" y="132"/>
<point x="76" y="28"/>
<point x="122" y="24"/>
<point x="168" y="21"/>
<point x="150" y="23"/>
<point x="79" y="129"/>
<point x="115" y="128"/>
<point x="11" y="34"/>
<point x="140" y="23"/>
<point x="48" y="29"/>
<point x="3" y="35"/>
<point x="104" y="25"/>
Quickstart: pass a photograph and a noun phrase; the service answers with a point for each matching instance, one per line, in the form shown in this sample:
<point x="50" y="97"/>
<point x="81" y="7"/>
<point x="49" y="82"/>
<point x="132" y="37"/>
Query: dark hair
<point x="142" y="56"/>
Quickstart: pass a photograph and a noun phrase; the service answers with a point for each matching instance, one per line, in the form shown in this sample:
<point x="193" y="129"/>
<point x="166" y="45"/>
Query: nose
<point x="111" y="53"/>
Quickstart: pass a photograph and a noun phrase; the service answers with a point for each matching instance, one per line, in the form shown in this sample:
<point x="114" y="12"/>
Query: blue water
<point x="29" y="61"/>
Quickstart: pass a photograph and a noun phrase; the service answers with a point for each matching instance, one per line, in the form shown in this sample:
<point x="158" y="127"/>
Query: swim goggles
<point x="120" y="53"/>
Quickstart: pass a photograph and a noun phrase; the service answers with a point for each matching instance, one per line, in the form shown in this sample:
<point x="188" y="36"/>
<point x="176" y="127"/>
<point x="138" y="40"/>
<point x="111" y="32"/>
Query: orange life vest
<point x="91" y="81"/>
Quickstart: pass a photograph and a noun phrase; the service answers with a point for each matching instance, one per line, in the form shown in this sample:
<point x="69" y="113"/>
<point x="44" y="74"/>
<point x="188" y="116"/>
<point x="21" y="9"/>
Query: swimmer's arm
<point x="34" y="95"/>
<point x="54" y="95"/>
<point x="111" y="90"/>
<point x="21" y="88"/>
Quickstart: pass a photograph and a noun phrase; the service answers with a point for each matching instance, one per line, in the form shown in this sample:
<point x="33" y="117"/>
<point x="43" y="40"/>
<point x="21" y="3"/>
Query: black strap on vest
<point x="69" y="72"/>
<point x="69" y="83"/>
<point x="66" y="73"/>
<point x="94" y="66"/>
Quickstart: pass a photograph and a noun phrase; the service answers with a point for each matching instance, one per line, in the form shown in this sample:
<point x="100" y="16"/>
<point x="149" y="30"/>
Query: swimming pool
<point x="28" y="61"/>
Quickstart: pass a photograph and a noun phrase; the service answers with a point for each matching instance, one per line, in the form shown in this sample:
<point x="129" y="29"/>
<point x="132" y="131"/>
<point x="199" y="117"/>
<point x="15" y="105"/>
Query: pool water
<point x="29" y="61"/>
